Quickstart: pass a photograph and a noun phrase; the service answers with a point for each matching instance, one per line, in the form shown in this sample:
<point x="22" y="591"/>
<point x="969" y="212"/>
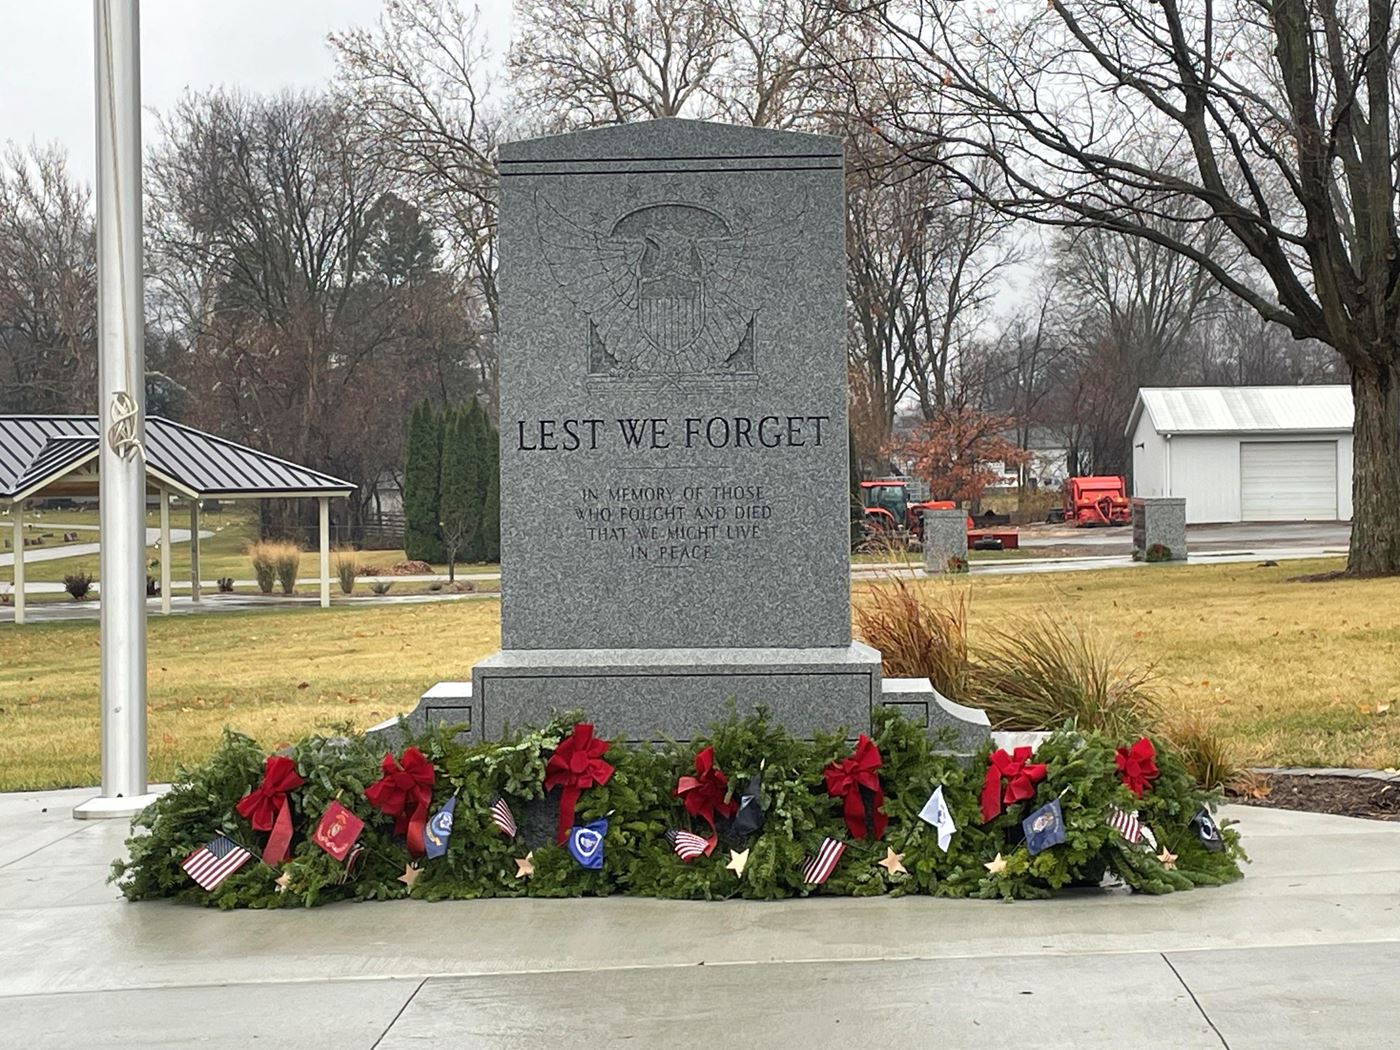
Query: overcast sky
<point x="46" y="54"/>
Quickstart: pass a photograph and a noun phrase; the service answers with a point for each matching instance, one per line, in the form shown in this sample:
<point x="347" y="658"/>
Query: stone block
<point x="1159" y="520"/>
<point x="945" y="540"/>
<point x="962" y="730"/>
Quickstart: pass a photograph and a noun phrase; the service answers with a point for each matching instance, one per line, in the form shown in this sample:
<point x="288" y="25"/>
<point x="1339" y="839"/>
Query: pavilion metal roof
<point x="1244" y="409"/>
<point x="38" y="450"/>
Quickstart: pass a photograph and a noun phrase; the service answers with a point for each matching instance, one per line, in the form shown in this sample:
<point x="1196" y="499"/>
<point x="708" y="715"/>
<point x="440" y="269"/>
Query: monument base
<point x="651" y="694"/>
<point x="660" y="694"/>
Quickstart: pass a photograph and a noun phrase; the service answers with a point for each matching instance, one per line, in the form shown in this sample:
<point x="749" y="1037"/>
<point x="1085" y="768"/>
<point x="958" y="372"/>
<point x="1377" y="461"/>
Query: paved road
<point x="1254" y="535"/>
<point x="81" y="550"/>
<point x="1302" y="953"/>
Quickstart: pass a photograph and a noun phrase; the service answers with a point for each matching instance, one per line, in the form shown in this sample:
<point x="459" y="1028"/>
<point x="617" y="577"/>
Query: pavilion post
<point x="121" y="412"/>
<point x="17" y="509"/>
<point x="164" y="551"/>
<point x="325" y="503"/>
<point x="194" y="551"/>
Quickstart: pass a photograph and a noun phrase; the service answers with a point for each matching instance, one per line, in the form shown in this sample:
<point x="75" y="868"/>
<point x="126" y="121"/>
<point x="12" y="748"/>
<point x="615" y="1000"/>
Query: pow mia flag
<point x="1208" y="831"/>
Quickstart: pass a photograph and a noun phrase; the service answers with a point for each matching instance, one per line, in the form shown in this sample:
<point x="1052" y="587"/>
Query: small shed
<point x="1253" y="453"/>
<point x="44" y="457"/>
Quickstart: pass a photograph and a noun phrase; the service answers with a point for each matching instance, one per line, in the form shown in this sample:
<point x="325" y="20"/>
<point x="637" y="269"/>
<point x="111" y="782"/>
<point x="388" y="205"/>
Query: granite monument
<point x="673" y="436"/>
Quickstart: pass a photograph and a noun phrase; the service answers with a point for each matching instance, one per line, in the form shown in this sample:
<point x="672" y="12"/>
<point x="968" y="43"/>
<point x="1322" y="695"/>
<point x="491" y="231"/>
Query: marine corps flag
<point x="337" y="831"/>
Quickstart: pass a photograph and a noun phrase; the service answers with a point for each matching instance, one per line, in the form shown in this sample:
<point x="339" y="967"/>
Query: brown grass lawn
<point x="1286" y="672"/>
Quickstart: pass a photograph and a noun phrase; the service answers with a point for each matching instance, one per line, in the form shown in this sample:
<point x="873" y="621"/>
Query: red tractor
<point x="1097" y="500"/>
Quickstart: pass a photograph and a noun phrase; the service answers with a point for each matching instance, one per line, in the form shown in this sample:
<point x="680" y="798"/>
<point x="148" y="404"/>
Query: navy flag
<point x="1044" y="828"/>
<point x="586" y="844"/>
<point x="439" y="830"/>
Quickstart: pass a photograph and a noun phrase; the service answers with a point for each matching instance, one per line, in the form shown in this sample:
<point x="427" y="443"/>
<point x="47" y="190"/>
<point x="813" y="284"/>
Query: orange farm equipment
<point x="1097" y="500"/>
<point x="890" y="509"/>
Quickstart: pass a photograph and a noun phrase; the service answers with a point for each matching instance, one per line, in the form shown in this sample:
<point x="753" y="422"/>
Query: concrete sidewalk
<point x="1302" y="953"/>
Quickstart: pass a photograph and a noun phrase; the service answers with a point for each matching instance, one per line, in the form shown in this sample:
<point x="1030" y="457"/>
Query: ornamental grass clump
<point x="1041" y="674"/>
<point x="264" y="565"/>
<point x="920" y="630"/>
<point x="1204" y="753"/>
<point x="347" y="567"/>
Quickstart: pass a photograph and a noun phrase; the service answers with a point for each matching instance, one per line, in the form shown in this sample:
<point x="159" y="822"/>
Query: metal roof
<point x="37" y="450"/>
<point x="1244" y="409"/>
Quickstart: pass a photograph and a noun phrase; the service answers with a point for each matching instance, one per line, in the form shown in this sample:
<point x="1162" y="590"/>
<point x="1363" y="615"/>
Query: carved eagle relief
<point x="669" y="289"/>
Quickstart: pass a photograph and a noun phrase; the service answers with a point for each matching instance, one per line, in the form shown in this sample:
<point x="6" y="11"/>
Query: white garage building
<point x="1252" y="453"/>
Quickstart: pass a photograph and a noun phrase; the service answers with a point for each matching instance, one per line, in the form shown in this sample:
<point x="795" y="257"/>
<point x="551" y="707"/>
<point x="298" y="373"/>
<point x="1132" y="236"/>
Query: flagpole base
<point x="119" y="808"/>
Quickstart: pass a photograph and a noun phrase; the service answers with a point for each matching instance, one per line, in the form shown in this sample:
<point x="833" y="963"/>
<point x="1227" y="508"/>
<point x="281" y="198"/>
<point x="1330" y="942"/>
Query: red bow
<point x="404" y="792"/>
<point x="266" y="806"/>
<point x="1020" y="780"/>
<point x="1138" y="764"/>
<point x="703" y="794"/>
<point x="844" y="780"/>
<point x="577" y="763"/>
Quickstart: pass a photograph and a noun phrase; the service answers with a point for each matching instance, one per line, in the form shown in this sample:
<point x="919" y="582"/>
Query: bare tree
<point x="48" y="285"/>
<point x="1272" y="118"/>
<point x="421" y="93"/>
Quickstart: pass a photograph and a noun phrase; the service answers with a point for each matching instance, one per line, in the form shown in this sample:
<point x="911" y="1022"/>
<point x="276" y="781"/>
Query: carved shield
<point x="671" y="310"/>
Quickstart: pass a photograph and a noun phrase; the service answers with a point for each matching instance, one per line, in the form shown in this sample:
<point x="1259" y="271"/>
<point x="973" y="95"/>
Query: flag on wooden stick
<point x="816" y="870"/>
<point x="215" y="861"/>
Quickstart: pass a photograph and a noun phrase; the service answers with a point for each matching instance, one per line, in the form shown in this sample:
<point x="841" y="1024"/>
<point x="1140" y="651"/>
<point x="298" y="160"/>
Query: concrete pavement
<point x="1301" y="953"/>
<point x="87" y="550"/>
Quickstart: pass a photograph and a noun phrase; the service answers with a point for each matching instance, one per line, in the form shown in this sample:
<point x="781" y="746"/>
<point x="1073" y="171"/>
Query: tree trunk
<point x="1375" y="532"/>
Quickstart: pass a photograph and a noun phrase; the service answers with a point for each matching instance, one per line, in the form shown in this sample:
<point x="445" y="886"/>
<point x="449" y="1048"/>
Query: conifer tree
<point x="491" y="509"/>
<point x="480" y="437"/>
<point x="460" y="509"/>
<point x="422" y="474"/>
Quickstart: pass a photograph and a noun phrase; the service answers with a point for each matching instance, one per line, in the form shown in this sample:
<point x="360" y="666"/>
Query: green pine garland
<point x="640" y="806"/>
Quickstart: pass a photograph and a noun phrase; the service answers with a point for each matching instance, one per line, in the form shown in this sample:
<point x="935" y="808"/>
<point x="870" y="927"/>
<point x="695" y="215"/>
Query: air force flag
<point x="935" y="812"/>
<point x="439" y="830"/>
<point x="586" y="844"/>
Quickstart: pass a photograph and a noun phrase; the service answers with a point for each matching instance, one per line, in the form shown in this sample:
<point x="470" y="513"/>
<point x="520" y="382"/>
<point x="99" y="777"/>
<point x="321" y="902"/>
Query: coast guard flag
<point x="439" y="830"/>
<point x="935" y="812"/>
<point x="1044" y="828"/>
<point x="586" y="844"/>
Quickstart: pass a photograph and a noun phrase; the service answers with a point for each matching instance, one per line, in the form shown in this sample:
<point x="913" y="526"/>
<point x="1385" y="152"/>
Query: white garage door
<point x="1288" y="480"/>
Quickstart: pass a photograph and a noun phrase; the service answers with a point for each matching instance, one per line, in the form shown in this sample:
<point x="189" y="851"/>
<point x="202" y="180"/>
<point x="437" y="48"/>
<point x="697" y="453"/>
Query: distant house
<point x="1260" y="453"/>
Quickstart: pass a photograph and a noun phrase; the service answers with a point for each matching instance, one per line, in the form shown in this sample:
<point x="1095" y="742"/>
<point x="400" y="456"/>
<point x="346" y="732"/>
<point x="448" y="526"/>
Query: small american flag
<point x="688" y="845"/>
<point x="355" y="855"/>
<point x="816" y="870"/>
<point x="503" y="818"/>
<point x="215" y="861"/>
<point x="1126" y="824"/>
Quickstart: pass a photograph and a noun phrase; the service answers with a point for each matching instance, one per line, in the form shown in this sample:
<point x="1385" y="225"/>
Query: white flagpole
<point x="121" y="413"/>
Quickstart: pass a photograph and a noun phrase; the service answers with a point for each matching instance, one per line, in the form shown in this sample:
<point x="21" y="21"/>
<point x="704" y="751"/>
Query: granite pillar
<point x="945" y="540"/>
<point x="1159" y="528"/>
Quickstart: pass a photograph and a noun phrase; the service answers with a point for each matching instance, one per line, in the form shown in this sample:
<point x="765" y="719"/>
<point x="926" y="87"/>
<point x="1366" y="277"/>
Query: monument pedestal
<point x="657" y="694"/>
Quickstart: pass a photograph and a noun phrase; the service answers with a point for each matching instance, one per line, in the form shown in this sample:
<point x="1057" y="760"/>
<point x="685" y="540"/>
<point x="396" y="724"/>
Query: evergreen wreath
<point x="640" y="804"/>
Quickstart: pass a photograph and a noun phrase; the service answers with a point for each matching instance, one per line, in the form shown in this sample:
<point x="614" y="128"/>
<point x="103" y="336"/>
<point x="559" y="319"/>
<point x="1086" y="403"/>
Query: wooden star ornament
<point x="1167" y="858"/>
<point x="525" y="866"/>
<point x="738" y="861"/>
<point x="410" y="875"/>
<point x="893" y="862"/>
<point x="283" y="881"/>
<point x="997" y="865"/>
